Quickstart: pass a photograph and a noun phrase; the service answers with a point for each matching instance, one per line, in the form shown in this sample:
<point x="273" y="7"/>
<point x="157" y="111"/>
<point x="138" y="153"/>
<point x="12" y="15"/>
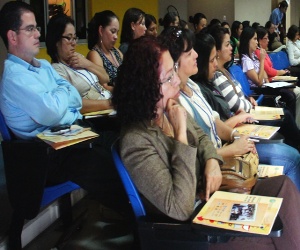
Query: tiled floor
<point x="100" y="228"/>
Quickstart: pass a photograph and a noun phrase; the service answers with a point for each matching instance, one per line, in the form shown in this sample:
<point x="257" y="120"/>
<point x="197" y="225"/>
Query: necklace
<point x="113" y="59"/>
<point x="88" y="76"/>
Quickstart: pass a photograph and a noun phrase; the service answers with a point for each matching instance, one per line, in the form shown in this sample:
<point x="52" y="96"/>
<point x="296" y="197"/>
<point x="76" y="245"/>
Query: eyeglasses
<point x="71" y="39"/>
<point x="171" y="77"/>
<point x="30" y="29"/>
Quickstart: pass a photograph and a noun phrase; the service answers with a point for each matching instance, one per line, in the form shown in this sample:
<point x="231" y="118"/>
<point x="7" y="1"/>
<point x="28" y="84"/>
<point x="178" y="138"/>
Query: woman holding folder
<point x="169" y="157"/>
<point x="191" y="97"/>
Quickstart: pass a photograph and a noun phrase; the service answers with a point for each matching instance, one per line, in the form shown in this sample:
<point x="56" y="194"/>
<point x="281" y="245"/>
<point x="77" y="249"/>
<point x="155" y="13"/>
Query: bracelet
<point x="231" y="135"/>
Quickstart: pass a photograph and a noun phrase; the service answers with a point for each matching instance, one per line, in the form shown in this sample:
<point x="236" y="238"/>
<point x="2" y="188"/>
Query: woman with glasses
<point x="102" y="36"/>
<point x="167" y="154"/>
<point x="83" y="74"/>
<point x="133" y="27"/>
<point x="180" y="44"/>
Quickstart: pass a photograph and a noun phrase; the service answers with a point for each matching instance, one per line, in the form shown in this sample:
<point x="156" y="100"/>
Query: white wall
<point x="253" y="10"/>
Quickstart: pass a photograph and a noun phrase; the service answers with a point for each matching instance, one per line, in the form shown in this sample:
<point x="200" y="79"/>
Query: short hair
<point x="137" y="88"/>
<point x="291" y="34"/>
<point x="268" y="25"/>
<point x="255" y="25"/>
<point x="245" y="38"/>
<point x="103" y="19"/>
<point x="283" y="4"/>
<point x="203" y="46"/>
<point x="169" y="18"/>
<point x="177" y="41"/>
<point x="218" y="34"/>
<point x="234" y="27"/>
<point x="10" y="17"/>
<point x="149" y="19"/>
<point x="55" y="29"/>
<point x="196" y="19"/>
<point x="131" y="15"/>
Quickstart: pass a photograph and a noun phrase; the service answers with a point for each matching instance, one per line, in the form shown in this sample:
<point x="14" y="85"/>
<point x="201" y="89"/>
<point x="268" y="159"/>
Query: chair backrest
<point x="4" y="129"/>
<point x="237" y="72"/>
<point x="280" y="60"/>
<point x="129" y="186"/>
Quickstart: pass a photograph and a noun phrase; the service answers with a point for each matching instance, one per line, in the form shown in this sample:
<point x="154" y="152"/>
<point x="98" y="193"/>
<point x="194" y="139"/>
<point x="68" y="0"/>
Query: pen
<point x="249" y="139"/>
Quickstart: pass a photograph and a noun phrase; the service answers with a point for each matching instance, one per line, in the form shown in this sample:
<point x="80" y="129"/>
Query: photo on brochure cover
<point x="243" y="212"/>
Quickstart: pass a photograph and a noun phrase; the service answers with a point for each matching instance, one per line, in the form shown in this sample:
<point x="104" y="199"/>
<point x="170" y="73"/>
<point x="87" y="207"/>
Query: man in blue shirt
<point x="34" y="97"/>
<point x="277" y="15"/>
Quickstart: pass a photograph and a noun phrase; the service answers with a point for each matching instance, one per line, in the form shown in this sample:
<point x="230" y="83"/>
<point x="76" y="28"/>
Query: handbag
<point x="239" y="173"/>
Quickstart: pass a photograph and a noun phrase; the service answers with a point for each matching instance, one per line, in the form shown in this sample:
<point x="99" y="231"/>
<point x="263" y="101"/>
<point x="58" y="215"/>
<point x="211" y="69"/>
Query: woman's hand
<point x="242" y="145"/>
<point x="252" y="101"/>
<point x="262" y="54"/>
<point x="213" y="177"/>
<point x="78" y="61"/>
<point x="243" y="117"/>
<point x="177" y="117"/>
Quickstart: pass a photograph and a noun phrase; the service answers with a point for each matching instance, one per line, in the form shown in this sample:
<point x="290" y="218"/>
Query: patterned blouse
<point x="110" y="68"/>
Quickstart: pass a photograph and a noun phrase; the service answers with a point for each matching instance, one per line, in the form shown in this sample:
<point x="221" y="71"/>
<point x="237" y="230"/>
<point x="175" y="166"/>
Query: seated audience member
<point x="74" y="67"/>
<point x="102" y="36"/>
<point x="274" y="39"/>
<point x="226" y="26"/>
<point x="236" y="31"/>
<point x="133" y="27"/>
<point x="151" y="25"/>
<point x="254" y="67"/>
<point x="214" y="22"/>
<point x="246" y="24"/>
<point x="170" y="19"/>
<point x="291" y="45"/>
<point x="199" y="22"/>
<point x="45" y="99"/>
<point x="183" y="24"/>
<point x="255" y="25"/>
<point x="225" y="87"/>
<point x="262" y="37"/>
<point x="163" y="148"/>
<point x="192" y="99"/>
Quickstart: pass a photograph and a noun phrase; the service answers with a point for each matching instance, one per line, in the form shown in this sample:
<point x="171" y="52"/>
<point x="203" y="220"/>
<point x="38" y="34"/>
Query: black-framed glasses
<point x="71" y="39"/>
<point x="30" y="29"/>
<point x="170" y="79"/>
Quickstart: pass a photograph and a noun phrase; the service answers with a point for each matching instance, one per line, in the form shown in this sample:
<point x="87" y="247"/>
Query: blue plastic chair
<point x="171" y="234"/>
<point x="237" y="72"/>
<point x="49" y="194"/>
<point x="280" y="60"/>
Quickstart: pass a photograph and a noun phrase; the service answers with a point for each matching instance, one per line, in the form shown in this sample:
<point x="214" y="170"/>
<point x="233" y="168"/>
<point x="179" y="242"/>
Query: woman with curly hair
<point x="167" y="154"/>
<point x="164" y="150"/>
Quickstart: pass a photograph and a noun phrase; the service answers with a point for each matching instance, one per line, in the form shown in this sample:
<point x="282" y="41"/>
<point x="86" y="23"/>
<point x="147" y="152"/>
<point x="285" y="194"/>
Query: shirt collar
<point x="35" y="66"/>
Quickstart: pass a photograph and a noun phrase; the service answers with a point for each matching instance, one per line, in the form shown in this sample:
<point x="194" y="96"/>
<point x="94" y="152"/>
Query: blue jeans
<point x="281" y="154"/>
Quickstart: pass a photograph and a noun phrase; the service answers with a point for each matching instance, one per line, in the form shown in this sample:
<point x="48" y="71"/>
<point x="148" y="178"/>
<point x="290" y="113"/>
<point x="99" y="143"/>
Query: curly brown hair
<point x="137" y="88"/>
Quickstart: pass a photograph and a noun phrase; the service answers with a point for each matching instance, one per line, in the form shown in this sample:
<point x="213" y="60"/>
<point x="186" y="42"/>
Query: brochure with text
<point x="240" y="212"/>
<point x="257" y="131"/>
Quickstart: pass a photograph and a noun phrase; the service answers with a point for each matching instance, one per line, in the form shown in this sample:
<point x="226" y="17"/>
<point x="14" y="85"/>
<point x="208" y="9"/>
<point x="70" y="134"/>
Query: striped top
<point x="236" y="99"/>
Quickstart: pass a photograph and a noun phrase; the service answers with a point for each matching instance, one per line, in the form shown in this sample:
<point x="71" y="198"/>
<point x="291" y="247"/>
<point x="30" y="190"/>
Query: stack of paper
<point x="75" y="135"/>
<point x="257" y="131"/>
<point x="266" y="113"/>
<point x="240" y="212"/>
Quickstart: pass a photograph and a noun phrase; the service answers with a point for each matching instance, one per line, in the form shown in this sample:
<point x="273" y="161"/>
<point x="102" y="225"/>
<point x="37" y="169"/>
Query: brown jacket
<point x="165" y="171"/>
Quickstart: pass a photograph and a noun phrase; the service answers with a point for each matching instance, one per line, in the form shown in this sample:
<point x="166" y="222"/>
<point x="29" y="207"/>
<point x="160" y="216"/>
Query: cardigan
<point x="165" y="171"/>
